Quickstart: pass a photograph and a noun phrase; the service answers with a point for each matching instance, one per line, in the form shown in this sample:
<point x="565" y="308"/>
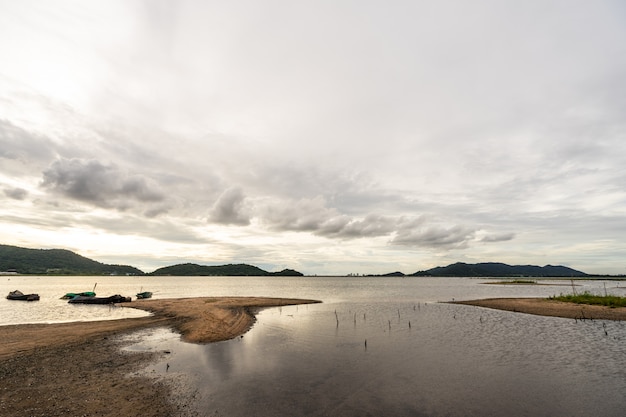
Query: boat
<point x="71" y="295"/>
<point x="18" y="295"/>
<point x="145" y="294"/>
<point x="114" y="299"/>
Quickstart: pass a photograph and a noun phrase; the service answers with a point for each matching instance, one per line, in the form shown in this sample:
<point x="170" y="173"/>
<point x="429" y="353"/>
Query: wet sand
<point x="546" y="307"/>
<point x="77" y="369"/>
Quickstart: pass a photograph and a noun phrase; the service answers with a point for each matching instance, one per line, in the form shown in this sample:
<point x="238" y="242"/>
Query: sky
<point x="330" y="137"/>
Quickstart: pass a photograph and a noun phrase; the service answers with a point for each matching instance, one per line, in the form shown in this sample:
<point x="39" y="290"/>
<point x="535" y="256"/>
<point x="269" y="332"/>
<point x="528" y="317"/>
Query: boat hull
<point x="19" y="296"/>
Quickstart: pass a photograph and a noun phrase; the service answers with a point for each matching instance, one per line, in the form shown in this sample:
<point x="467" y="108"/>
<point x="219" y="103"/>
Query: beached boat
<point x="18" y="295"/>
<point x="145" y="294"/>
<point x="114" y="299"/>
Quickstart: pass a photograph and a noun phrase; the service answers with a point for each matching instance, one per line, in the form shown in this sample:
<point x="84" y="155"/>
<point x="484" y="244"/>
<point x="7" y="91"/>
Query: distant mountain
<point x="190" y="269"/>
<point x="393" y="274"/>
<point x="56" y="262"/>
<point x="494" y="269"/>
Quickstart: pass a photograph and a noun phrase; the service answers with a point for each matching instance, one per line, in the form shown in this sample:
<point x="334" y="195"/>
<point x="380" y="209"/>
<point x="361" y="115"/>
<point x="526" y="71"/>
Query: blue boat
<point x="145" y="294"/>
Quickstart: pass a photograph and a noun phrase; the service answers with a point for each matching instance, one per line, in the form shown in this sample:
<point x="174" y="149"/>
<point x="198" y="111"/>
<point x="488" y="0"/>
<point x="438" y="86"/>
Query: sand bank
<point x="546" y="307"/>
<point x="76" y="369"/>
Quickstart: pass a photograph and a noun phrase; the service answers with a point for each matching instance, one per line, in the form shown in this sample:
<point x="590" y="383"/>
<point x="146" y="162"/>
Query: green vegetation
<point x="592" y="299"/>
<point x="56" y="262"/>
<point x="517" y="281"/>
<point x="496" y="269"/>
<point x="190" y="269"/>
<point x="25" y="261"/>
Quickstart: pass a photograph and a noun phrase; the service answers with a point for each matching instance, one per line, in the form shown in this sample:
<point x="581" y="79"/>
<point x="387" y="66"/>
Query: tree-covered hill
<point x="494" y="269"/>
<point x="56" y="262"/>
<point x="190" y="269"/>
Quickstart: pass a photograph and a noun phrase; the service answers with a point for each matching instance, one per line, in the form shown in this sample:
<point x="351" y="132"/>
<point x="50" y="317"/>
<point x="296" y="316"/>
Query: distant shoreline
<point x="553" y="308"/>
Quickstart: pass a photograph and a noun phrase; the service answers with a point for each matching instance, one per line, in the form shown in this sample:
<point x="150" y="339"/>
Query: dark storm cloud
<point x="99" y="184"/>
<point x="229" y="208"/>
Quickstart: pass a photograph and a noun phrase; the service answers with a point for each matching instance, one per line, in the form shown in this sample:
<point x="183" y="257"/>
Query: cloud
<point x="388" y="128"/>
<point x="230" y="208"/>
<point x="16" y="193"/>
<point x="372" y="225"/>
<point x="455" y="237"/>
<point x="21" y="151"/>
<point x="498" y="237"/>
<point x="304" y="215"/>
<point x="99" y="184"/>
<point x="312" y="215"/>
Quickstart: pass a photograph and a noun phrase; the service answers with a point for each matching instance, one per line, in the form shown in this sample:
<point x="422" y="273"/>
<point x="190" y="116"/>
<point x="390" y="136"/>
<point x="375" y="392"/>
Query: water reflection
<point x="451" y="361"/>
<point x="421" y="357"/>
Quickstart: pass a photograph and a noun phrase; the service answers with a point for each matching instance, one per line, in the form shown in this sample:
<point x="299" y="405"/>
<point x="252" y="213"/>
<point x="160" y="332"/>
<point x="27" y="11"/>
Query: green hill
<point x="494" y="269"/>
<point x="56" y="262"/>
<point x="190" y="269"/>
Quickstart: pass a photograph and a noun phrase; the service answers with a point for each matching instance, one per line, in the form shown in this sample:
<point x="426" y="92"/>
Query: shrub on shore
<point x="592" y="299"/>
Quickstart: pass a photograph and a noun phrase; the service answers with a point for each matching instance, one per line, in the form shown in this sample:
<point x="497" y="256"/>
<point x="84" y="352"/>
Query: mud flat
<point x="547" y="307"/>
<point x="77" y="369"/>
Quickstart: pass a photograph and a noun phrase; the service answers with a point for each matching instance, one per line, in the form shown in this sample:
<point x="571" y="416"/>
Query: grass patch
<point x="517" y="281"/>
<point x="592" y="299"/>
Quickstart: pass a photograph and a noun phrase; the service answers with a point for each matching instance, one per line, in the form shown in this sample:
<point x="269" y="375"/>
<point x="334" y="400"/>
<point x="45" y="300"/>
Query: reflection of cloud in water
<point x="453" y="360"/>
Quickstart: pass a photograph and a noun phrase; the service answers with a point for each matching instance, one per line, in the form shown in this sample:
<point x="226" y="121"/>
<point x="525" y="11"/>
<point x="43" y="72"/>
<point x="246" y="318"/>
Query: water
<point x="396" y="350"/>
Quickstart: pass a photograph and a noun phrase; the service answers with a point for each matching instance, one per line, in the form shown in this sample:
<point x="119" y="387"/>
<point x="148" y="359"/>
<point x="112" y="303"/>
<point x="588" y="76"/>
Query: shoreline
<point x="78" y="368"/>
<point x="553" y="308"/>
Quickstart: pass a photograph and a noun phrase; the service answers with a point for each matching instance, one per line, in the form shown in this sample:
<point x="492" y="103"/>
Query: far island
<point x="190" y="269"/>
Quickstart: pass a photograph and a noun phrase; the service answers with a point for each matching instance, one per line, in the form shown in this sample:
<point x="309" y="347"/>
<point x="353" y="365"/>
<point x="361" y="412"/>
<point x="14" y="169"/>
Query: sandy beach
<point x="77" y="369"/>
<point x="546" y="307"/>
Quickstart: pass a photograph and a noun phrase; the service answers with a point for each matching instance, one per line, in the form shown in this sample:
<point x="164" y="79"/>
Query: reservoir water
<point x="375" y="346"/>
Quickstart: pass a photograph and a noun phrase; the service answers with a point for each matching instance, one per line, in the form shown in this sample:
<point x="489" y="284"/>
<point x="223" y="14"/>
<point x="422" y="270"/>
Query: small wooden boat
<point x="145" y="294"/>
<point x="114" y="299"/>
<point x="18" y="295"/>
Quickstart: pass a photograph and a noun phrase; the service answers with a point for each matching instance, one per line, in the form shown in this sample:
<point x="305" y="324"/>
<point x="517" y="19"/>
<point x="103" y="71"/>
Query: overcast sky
<point x="331" y="137"/>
